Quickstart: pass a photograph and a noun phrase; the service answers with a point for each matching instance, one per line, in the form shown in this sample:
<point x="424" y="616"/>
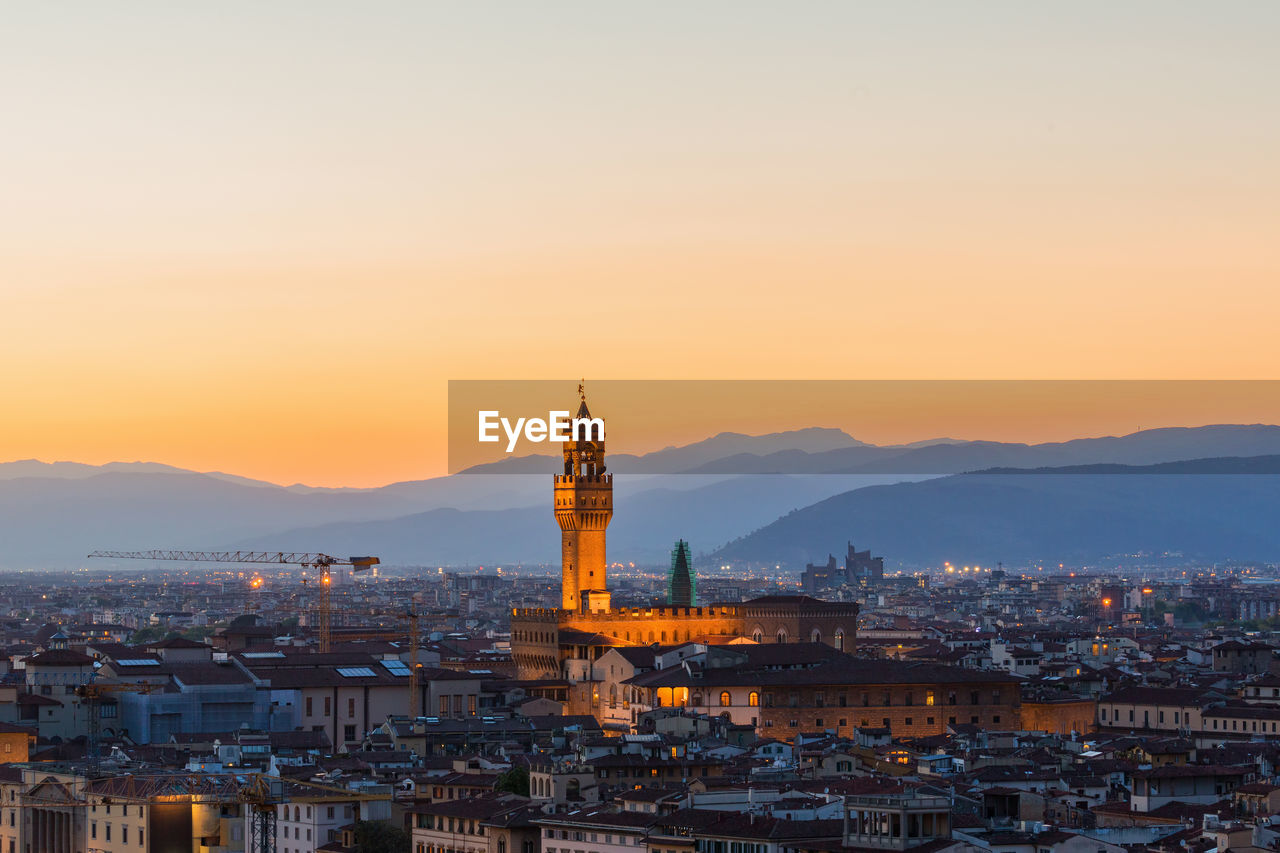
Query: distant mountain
<point x="54" y="522"/>
<point x="1211" y="509"/>
<point x="51" y="514"/>
<point x="646" y="524"/>
<point x="23" y="468"/>
<point x="949" y="456"/>
<point x="692" y="458"/>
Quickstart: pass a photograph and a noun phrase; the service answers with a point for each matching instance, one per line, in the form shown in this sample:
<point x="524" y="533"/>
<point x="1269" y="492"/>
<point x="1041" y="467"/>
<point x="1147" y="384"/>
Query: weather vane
<point x="582" y="389"/>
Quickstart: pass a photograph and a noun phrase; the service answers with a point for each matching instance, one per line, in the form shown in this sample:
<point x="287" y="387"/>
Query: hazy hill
<point x="51" y="514"/>
<point x="646" y="524"/>
<point x="952" y="457"/>
<point x="1211" y="509"/>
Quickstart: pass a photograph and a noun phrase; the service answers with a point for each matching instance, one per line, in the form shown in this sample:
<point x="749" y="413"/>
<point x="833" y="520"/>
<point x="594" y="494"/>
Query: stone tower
<point x="584" y="507"/>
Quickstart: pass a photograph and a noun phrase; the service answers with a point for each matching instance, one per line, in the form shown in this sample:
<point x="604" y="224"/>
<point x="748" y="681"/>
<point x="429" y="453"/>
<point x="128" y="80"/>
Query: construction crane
<point x="90" y="695"/>
<point x="261" y="794"/>
<point x="323" y="562"/>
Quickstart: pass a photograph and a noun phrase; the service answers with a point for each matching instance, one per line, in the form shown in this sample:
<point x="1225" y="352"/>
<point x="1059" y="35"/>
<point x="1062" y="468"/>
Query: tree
<point x="378" y="836"/>
<point x="514" y="781"/>
<point x="147" y="635"/>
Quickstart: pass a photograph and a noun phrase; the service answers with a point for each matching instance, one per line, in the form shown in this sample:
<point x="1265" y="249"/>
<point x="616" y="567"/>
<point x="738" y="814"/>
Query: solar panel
<point x="138" y="662"/>
<point x="263" y="655"/>
<point x="395" y="666"/>
<point x="356" y="672"/>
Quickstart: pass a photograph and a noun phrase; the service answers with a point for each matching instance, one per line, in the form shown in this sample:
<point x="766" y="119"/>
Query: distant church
<point x="563" y="642"/>
<point x="860" y="569"/>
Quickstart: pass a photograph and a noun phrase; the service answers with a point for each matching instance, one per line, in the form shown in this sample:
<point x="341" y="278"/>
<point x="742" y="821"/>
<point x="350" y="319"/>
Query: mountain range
<point x="782" y="498"/>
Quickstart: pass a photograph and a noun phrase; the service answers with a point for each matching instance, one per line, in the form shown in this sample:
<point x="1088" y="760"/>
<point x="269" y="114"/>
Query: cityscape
<point x="251" y="700"/>
<point x="580" y="427"/>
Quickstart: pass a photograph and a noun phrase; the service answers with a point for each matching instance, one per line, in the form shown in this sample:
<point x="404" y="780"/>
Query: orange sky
<point x="262" y="240"/>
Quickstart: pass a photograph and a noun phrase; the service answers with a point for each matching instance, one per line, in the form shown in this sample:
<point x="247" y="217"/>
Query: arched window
<point x="816" y="636"/>
<point x="724" y="699"/>
<point x="839" y="639"/>
<point x="502" y="845"/>
<point x="758" y="636"/>
<point x="753" y="699"/>
<point x="782" y="636"/>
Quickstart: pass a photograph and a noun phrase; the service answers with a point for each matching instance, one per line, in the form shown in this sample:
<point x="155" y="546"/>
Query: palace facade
<point x="564" y="642"/>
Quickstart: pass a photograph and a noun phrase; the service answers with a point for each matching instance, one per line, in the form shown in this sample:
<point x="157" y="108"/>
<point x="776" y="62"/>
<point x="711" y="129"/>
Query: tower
<point x="584" y="507"/>
<point x="681" y="586"/>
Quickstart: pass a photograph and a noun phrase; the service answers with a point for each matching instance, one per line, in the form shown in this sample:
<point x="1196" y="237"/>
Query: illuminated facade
<point x="564" y="642"/>
<point x="584" y="507"/>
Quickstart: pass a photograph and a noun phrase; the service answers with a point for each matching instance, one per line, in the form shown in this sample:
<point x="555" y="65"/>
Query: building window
<point x="351" y="707"/>
<point x="753" y="699"/>
<point x="724" y="699"/>
<point x="308" y="706"/>
<point x="839" y="642"/>
<point x="928" y="697"/>
<point x="349" y="733"/>
<point x="328" y="706"/>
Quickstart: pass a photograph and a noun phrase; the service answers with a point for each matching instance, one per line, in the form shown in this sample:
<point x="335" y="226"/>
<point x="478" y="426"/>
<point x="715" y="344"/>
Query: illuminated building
<point x="564" y="642"/>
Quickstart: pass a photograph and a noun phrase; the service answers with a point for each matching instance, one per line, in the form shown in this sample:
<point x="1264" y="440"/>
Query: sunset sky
<point x="261" y="238"/>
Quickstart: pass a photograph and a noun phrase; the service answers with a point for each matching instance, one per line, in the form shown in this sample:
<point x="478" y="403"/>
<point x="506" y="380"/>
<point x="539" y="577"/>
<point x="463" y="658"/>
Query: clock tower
<point x="584" y="507"/>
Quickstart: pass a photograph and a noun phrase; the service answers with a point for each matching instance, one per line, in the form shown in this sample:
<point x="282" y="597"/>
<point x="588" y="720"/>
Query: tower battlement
<point x="584" y="479"/>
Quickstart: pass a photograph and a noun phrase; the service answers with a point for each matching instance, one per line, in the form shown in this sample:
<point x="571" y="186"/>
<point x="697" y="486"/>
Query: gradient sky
<point x="260" y="238"/>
